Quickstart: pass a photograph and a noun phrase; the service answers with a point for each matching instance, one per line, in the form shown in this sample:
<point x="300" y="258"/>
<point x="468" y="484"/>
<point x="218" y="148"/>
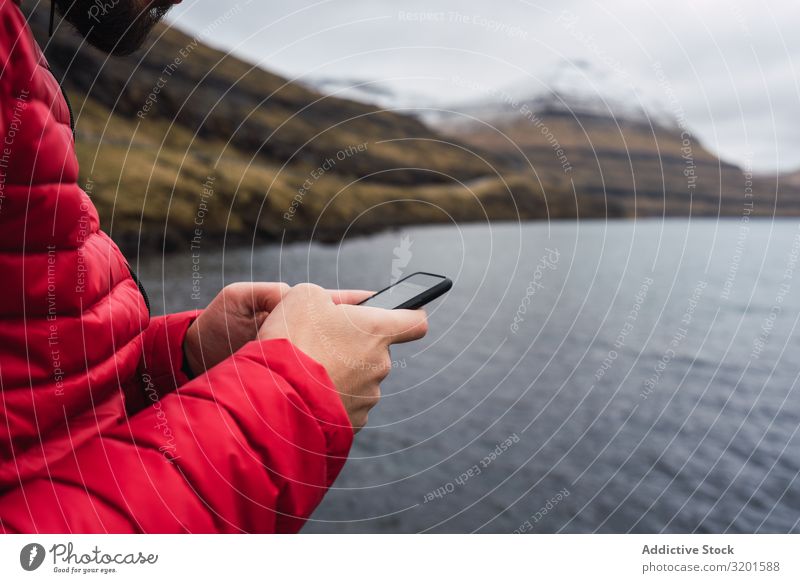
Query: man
<point x="235" y="419"/>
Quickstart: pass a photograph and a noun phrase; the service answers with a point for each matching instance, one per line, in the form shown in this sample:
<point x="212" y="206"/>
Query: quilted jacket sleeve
<point x="161" y="367"/>
<point x="251" y="446"/>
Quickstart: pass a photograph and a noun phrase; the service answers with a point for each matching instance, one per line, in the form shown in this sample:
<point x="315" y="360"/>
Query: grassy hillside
<point x="181" y="129"/>
<point x="183" y="141"/>
<point x="627" y="168"/>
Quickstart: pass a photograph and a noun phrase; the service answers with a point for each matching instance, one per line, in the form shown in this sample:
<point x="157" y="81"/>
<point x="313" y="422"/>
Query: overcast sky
<point x="729" y="68"/>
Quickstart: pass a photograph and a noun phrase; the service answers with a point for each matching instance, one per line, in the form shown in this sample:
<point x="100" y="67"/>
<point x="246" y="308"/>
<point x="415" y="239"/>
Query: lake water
<point x="601" y="376"/>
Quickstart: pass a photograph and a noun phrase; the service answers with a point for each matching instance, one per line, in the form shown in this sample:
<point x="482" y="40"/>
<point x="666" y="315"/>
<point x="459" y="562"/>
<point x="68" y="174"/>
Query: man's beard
<point x="118" y="27"/>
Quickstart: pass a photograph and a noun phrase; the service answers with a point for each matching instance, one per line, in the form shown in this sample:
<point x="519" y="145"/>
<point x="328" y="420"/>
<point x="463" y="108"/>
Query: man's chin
<point x="117" y="27"/>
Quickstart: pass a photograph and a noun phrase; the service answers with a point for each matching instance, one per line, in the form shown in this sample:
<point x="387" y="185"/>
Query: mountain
<point x="181" y="144"/>
<point x="622" y="152"/>
<point x="788" y="178"/>
<point x="367" y="91"/>
<point x="576" y="88"/>
<point x="180" y="130"/>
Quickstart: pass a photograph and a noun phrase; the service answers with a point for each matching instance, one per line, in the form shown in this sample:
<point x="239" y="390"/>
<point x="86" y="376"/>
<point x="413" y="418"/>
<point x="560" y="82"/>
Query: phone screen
<point x="404" y="291"/>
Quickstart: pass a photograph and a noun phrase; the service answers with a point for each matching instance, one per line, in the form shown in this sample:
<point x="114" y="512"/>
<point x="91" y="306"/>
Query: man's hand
<point x="234" y="317"/>
<point x="229" y="322"/>
<point x="351" y="342"/>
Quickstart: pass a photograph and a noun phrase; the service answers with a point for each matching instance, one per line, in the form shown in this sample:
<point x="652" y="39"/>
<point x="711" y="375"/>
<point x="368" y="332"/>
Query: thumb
<point x="407" y="325"/>
<point x="350" y="296"/>
<point x="396" y="326"/>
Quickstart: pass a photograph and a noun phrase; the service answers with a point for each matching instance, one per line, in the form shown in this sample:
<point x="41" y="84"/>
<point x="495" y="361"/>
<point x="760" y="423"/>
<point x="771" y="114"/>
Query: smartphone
<point x="410" y="293"/>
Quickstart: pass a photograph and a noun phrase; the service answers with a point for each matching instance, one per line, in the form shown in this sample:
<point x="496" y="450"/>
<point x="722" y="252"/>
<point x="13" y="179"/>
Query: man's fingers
<point x="407" y="325"/>
<point x="269" y="295"/>
<point x="263" y="296"/>
<point x="396" y="326"/>
<point x="349" y="296"/>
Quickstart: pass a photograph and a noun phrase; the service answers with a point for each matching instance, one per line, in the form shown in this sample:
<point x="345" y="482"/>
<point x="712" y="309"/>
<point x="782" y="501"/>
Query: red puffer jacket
<point x="100" y="431"/>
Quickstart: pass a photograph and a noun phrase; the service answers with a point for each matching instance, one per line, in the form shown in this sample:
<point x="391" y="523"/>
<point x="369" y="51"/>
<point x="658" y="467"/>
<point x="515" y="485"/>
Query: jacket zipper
<point x="130" y="269"/>
<point x="69" y="108"/>
<point x="141" y="287"/>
